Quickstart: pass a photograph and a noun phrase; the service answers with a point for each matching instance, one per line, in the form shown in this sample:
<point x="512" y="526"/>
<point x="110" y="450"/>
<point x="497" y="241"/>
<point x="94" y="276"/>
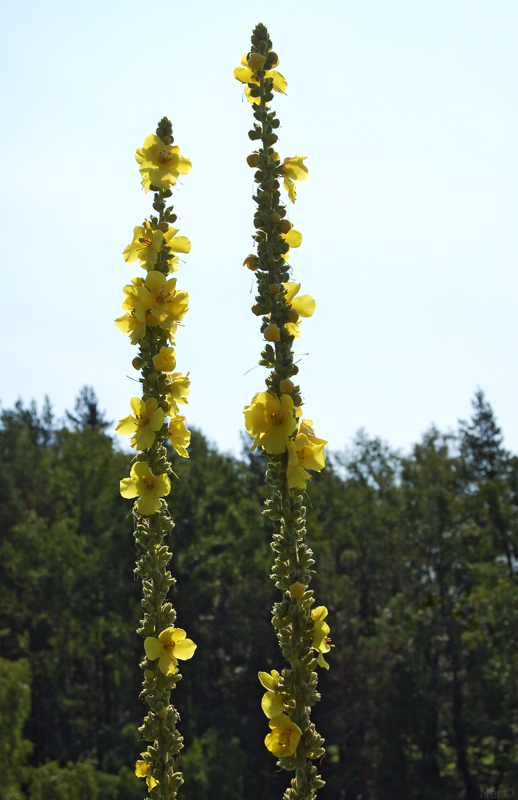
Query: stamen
<point x="164" y="156"/>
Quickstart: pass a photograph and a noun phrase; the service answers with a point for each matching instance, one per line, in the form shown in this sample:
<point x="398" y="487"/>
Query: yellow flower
<point x="147" y="418"/>
<point x="164" y="361"/>
<point x="247" y="75"/>
<point x="269" y="680"/>
<point x="304" y="452"/>
<point x="145" y="246"/>
<point x="131" y="294"/>
<point x="170" y="646"/>
<point x="178" y="389"/>
<point x="272" y="703"/>
<point x="306" y="427"/>
<point x="143" y="770"/>
<point x="147" y="486"/>
<point x="160" y="163"/>
<point x="303" y="306"/>
<point x="136" y="320"/>
<point x="320" y="634"/>
<point x="129" y="324"/>
<point x="293" y="169"/>
<point x="284" y="738"/>
<point x="270" y="421"/>
<point x="179" y="435"/>
<point x="159" y="297"/>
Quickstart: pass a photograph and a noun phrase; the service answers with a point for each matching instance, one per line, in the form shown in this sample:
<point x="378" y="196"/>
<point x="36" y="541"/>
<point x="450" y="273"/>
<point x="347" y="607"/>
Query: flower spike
<point x="154" y="305"/>
<point x="273" y="420"/>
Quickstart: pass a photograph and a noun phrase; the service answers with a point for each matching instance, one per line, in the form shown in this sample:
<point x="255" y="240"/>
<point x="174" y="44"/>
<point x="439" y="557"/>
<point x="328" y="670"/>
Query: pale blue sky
<point x="407" y="113"/>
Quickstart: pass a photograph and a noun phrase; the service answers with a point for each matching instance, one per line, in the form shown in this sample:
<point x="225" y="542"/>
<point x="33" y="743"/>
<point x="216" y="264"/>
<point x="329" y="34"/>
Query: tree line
<point x="416" y="559"/>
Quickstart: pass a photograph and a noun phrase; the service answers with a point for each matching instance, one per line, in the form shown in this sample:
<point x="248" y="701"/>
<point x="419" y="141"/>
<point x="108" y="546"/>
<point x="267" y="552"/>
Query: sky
<point x="407" y="113"/>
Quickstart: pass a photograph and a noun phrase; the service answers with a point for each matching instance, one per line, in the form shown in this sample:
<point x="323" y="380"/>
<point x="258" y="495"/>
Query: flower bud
<point x="162" y="713"/>
<point x="272" y="333"/>
<point x="297" y="589"/>
<point x="255" y="61"/>
<point x="149" y="674"/>
<point x="257" y="310"/>
<point x="253" y="159"/>
<point x="293" y="315"/>
<point x="163" y="226"/>
<point x="275" y="288"/>
<point x="137" y="363"/>
<point x="286" y="386"/>
<point x="252" y="262"/>
<point x="275" y="218"/>
<point x="273" y="60"/>
<point x="285" y="226"/>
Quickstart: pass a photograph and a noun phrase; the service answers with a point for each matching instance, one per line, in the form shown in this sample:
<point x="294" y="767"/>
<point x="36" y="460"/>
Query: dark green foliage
<point x="416" y="561"/>
<point x="15" y="704"/>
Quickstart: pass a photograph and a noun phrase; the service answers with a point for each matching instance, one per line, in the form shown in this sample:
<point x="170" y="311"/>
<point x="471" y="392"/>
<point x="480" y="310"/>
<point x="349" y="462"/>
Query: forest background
<point x="416" y="560"/>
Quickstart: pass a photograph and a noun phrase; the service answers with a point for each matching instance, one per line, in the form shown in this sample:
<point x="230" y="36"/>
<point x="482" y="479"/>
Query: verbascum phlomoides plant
<point x="274" y="421"/>
<point x="153" y="306"/>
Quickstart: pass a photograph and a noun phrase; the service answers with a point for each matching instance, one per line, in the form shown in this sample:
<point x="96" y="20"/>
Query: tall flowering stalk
<point x="274" y="420"/>
<point x="154" y="307"/>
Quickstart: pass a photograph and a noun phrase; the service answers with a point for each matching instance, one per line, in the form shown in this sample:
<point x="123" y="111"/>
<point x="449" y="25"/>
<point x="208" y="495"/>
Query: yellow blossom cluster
<point x="272" y="418"/>
<point x="147" y="244"/>
<point x="273" y="424"/>
<point x="285" y="734"/>
<point x="154" y="306"/>
<point x="251" y="63"/>
<point x="321" y="632"/>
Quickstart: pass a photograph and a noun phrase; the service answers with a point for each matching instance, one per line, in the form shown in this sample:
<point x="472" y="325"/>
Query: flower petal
<point x="304" y="305"/>
<point x="267" y="680"/>
<point x="293" y="238"/>
<point x="126" y="425"/>
<point x="243" y="74"/>
<point x="180" y="244"/>
<point x="291" y="290"/>
<point x="154" y="649"/>
<point x="185" y="649"/>
<point x="280" y="84"/>
<point x="272" y="704"/>
<point x="168" y="664"/>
